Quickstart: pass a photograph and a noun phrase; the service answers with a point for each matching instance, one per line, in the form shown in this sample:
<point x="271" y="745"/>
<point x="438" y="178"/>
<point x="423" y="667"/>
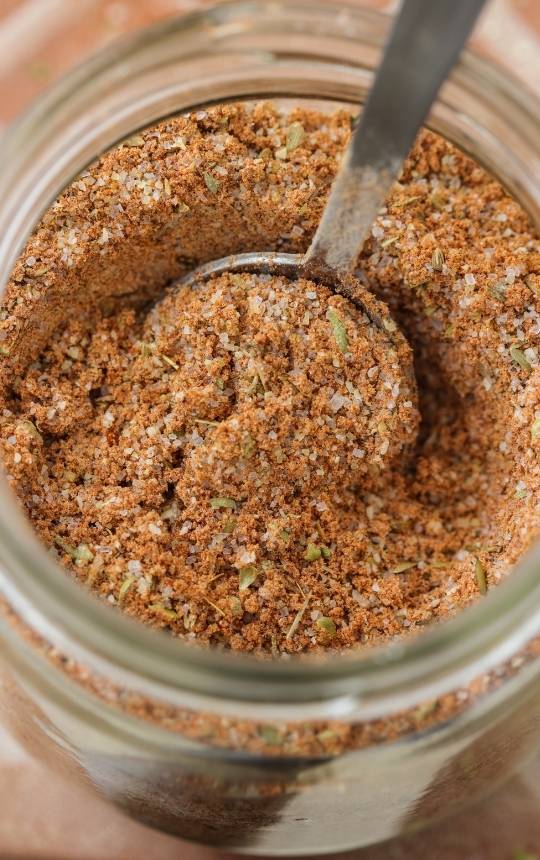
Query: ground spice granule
<point x="241" y="464"/>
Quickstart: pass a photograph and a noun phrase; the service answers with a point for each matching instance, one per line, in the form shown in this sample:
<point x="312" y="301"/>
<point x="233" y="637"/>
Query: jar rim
<point x="476" y="639"/>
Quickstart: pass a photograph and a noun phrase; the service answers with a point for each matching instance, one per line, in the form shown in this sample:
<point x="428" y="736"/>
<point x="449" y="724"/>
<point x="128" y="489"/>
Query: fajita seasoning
<point x="247" y="463"/>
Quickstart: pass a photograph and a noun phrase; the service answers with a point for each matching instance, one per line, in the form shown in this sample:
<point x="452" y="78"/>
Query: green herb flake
<point x="437" y="259"/>
<point x="403" y="566"/>
<point x="211" y="183"/>
<point x="338" y="329"/>
<point x="297" y="618"/>
<point x="206" y="422"/>
<point x="213" y="605"/>
<point x="249" y="447"/>
<point x="124" y="588"/>
<point x="246" y="577"/>
<point x="159" y="609"/>
<point x="480" y="575"/>
<point x="285" y="535"/>
<point x="66" y="547"/>
<point x="326" y="736"/>
<point x="178" y="143"/>
<point x="31" y="428"/>
<point x="408" y="200"/>
<point x="524" y="855"/>
<point x="229" y="526"/>
<point x="4" y="350"/>
<point x="498" y="291"/>
<point x="521" y="493"/>
<point x="220" y="384"/>
<point x="170" y="362"/>
<point x="326" y="552"/>
<point x="517" y="355"/>
<point x="223" y="502"/>
<point x="135" y="140"/>
<point x="270" y="735"/>
<point x="83" y="555"/>
<point x="535" y="428"/>
<point x="326" y="625"/>
<point x="312" y="553"/>
<point x="422" y="711"/>
<point x="236" y="607"/>
<point x="147" y="349"/>
<point x="295" y="136"/>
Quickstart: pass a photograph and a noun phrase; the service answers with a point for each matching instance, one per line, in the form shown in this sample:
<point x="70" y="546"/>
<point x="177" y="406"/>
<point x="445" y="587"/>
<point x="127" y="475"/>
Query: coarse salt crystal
<point x="337" y="402"/>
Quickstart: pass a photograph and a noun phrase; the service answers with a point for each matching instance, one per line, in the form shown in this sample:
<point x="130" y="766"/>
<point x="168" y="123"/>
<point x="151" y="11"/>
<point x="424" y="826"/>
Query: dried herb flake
<point x="480" y="575"/>
<point x="223" y="502"/>
<point x="211" y="183"/>
<point x="295" y="136"/>
<point x="246" y="577"/>
<point x="338" y="329"/>
<point x="312" y="553"/>
<point x="517" y="355"/>
<point x="327" y="625"/>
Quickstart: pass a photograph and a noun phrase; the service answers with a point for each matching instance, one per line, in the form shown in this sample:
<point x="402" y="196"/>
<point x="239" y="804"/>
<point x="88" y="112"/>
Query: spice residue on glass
<point x="242" y="463"/>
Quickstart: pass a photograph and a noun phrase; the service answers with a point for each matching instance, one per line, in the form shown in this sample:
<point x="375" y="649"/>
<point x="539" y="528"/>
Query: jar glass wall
<point x="185" y="740"/>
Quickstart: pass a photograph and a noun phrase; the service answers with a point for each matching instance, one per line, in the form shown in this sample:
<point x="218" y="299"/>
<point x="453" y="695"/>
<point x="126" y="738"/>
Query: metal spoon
<point x="425" y="42"/>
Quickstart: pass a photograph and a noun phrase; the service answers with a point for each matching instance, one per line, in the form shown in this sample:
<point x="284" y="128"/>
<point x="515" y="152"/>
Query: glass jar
<point x="285" y="757"/>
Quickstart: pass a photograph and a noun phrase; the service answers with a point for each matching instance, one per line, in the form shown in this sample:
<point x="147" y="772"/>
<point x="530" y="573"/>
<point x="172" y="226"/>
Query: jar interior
<point x="139" y="273"/>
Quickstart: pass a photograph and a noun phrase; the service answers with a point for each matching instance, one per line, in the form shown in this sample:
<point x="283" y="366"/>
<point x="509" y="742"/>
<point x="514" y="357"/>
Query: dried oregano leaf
<point x="211" y="183"/>
<point x="405" y="565"/>
<point x="327" y="625"/>
<point x="246" y="577"/>
<point x="295" y="136"/>
<point x="480" y="575"/>
<point x="161" y="610"/>
<point x="312" y="553"/>
<point x="338" y="329"/>
<point x="517" y="355"/>
<point x="223" y="502"/>
<point x="437" y="259"/>
<point x="124" y="588"/>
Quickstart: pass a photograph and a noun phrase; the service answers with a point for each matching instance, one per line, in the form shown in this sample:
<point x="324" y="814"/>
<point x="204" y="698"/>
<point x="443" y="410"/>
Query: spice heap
<point x="241" y="462"/>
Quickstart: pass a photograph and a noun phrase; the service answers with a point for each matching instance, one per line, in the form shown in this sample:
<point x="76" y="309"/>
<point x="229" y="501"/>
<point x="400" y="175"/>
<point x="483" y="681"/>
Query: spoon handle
<point x="425" y="42"/>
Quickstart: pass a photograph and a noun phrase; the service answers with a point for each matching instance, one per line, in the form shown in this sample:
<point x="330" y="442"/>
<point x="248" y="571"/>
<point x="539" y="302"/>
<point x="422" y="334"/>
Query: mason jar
<point x="272" y="757"/>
